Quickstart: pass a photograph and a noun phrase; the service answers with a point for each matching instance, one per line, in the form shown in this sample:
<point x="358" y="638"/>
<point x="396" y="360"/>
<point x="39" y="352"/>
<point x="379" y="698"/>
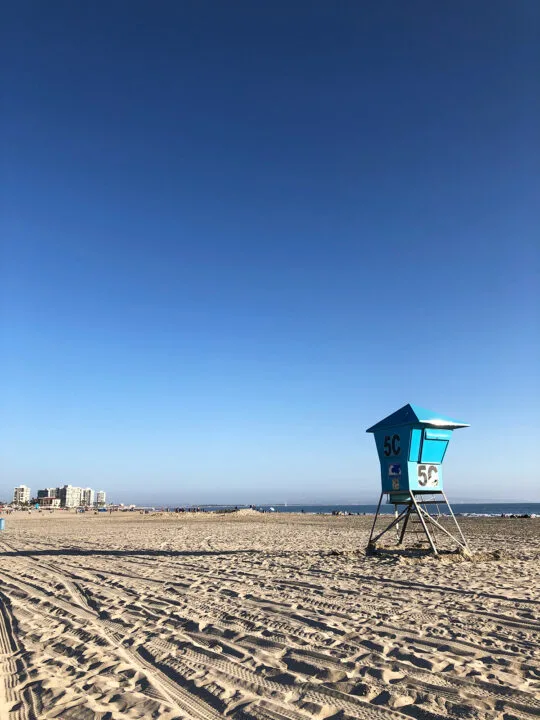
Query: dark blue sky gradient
<point x="234" y="235"/>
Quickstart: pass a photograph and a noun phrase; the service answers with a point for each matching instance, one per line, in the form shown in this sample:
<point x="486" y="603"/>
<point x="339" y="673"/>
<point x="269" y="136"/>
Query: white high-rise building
<point x="101" y="497"/>
<point x="21" y="494"/>
<point x="70" y="496"/>
<point x="87" y="496"/>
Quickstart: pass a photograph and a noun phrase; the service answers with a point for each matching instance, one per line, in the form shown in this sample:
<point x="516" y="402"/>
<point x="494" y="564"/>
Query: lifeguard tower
<point x="412" y="444"/>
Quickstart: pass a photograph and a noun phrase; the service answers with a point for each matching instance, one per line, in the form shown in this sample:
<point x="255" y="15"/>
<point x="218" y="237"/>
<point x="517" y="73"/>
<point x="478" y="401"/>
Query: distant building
<point x="87" y="496"/>
<point x="70" y="496"/>
<point x="21" y="494"/>
<point x="47" y="492"/>
<point x="49" y="502"/>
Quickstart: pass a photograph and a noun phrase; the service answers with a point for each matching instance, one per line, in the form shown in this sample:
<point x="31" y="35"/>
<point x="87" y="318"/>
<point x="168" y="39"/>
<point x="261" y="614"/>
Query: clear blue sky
<point x="235" y="235"/>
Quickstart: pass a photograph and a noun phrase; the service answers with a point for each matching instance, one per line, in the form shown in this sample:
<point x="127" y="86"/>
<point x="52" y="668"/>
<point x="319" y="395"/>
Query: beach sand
<point x="271" y="617"/>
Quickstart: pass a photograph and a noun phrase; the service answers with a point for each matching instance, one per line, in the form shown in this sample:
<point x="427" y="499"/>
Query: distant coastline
<point x="462" y="509"/>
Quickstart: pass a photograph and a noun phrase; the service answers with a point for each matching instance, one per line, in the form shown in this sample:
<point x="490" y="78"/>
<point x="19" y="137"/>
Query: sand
<point x="271" y="617"/>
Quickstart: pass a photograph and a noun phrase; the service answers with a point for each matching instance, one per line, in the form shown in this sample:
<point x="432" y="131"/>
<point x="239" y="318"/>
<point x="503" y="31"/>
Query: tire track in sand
<point x="173" y="694"/>
<point x="16" y="702"/>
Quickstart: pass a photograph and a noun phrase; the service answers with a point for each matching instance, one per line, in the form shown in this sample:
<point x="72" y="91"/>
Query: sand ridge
<point x="267" y="617"/>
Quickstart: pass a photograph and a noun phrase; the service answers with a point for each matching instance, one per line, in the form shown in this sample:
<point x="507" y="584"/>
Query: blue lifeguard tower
<point x="412" y="444"/>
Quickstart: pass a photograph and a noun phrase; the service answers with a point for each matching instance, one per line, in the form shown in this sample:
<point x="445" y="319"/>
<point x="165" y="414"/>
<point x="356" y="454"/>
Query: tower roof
<point x="414" y="415"/>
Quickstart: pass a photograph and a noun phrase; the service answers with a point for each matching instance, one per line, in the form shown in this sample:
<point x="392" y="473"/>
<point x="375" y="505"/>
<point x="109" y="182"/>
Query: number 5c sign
<point x="428" y="475"/>
<point x="392" y="445"/>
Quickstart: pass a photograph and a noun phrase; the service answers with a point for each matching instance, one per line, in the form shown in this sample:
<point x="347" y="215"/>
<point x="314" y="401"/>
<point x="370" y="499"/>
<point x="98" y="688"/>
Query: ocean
<point x="462" y="509"/>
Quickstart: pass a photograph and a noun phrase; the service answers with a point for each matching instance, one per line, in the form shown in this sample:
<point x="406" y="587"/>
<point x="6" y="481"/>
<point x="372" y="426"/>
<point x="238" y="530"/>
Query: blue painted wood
<point x="416" y="441"/>
<point x="433" y="451"/>
<point x="415" y="415"/>
<point x="411" y="444"/>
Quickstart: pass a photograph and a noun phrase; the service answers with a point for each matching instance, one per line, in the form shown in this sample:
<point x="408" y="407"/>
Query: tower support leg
<point x="375" y="520"/>
<point x="456" y="522"/>
<point x="404" y="526"/>
<point x="422" y="520"/>
<point x="444" y="530"/>
<point x="415" y="502"/>
<point x="395" y="521"/>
